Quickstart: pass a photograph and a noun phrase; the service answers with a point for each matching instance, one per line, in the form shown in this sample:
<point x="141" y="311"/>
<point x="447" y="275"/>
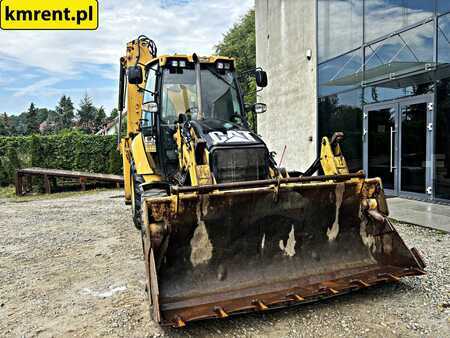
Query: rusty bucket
<point x="219" y="250"/>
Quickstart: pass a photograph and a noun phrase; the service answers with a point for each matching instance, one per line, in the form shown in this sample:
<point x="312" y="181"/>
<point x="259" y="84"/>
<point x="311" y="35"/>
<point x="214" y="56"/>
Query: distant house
<point x="112" y="127"/>
<point x="46" y="126"/>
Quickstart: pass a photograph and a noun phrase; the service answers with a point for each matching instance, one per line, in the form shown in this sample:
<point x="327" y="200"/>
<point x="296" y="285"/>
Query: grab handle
<point x="391" y="161"/>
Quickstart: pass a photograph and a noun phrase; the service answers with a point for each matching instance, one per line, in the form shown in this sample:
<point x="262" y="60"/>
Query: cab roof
<point x="163" y="59"/>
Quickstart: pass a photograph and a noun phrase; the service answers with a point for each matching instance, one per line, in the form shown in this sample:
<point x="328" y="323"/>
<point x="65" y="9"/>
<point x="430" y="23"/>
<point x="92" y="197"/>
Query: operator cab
<point x="202" y="91"/>
<point x="188" y="95"/>
<point x="220" y="99"/>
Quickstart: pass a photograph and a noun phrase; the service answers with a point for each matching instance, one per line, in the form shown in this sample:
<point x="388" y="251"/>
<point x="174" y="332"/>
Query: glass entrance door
<point x="382" y="144"/>
<point x="398" y="145"/>
<point x="413" y="147"/>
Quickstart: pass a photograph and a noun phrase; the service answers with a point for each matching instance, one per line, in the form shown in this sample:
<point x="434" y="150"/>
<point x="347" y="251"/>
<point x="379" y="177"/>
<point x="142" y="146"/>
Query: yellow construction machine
<point x="224" y="229"/>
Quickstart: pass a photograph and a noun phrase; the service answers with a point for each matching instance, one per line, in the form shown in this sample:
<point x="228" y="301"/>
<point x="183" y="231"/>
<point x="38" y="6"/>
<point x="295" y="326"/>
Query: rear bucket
<point x="237" y="250"/>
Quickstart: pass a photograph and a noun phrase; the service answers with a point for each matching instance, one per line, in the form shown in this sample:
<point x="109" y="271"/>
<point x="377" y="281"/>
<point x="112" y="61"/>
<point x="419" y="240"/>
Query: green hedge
<point x="72" y="151"/>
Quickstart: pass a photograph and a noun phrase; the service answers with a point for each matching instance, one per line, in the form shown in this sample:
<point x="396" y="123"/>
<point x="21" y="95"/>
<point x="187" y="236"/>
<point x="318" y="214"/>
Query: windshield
<point x="179" y="95"/>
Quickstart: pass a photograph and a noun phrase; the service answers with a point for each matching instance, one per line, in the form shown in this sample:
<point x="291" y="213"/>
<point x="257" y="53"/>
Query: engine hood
<point x="225" y="133"/>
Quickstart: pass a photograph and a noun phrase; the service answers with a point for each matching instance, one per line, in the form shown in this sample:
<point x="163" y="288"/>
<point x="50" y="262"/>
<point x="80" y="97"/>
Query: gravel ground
<point x="72" y="267"/>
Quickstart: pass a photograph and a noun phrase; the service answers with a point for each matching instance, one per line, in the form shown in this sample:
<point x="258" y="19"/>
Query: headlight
<point x="259" y="108"/>
<point x="223" y="66"/>
<point x="151" y="107"/>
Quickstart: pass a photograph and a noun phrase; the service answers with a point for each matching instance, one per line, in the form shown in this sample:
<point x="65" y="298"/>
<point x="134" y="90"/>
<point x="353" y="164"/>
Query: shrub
<point x="70" y="151"/>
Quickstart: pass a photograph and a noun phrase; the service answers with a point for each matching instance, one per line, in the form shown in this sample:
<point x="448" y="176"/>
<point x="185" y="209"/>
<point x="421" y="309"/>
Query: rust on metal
<point x="360" y="282"/>
<point x="220" y="312"/>
<point x="328" y="289"/>
<point x="296" y="297"/>
<point x="390" y="276"/>
<point x="180" y="322"/>
<point x="262" y="183"/>
<point x="260" y="305"/>
<point x="231" y="249"/>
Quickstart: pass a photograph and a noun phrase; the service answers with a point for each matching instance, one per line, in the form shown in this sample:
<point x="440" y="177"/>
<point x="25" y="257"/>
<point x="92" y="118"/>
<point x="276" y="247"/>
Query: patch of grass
<point x="7" y="192"/>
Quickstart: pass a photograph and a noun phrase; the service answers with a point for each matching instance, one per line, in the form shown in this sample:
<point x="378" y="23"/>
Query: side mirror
<point x="261" y="78"/>
<point x="135" y="75"/>
<point x="259" y="108"/>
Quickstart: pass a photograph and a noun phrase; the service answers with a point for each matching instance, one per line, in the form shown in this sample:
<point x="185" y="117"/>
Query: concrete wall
<point x="285" y="30"/>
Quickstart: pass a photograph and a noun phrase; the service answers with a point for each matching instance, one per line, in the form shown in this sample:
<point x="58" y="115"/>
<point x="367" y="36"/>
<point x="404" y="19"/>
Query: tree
<point x="65" y="111"/>
<point x="86" y="114"/>
<point x="16" y="125"/>
<point x="31" y="120"/>
<point x="240" y="43"/>
<point x="3" y="128"/>
<point x="42" y="115"/>
<point x="100" y="118"/>
<point x="113" y="115"/>
<point x="51" y="124"/>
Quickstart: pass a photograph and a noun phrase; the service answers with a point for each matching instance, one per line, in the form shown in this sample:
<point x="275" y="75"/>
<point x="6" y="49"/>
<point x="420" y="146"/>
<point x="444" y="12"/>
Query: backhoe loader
<point x="224" y="229"/>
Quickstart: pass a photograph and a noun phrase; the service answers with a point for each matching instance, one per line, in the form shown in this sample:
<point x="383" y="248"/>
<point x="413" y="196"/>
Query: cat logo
<point x="232" y="136"/>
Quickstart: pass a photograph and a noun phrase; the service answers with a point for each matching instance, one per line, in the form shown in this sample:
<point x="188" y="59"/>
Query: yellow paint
<point x="163" y="59"/>
<point x="332" y="159"/>
<point x="134" y="95"/>
<point x="49" y="14"/>
<point x="124" y="149"/>
<point x="140" y="159"/>
<point x="199" y="173"/>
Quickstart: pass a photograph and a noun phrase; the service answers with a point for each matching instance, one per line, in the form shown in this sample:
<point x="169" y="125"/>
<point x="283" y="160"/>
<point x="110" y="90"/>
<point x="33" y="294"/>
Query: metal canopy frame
<point x="368" y="44"/>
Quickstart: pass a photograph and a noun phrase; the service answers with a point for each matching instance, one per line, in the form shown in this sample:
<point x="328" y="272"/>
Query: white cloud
<point x="195" y="26"/>
<point x="45" y="61"/>
<point x="36" y="86"/>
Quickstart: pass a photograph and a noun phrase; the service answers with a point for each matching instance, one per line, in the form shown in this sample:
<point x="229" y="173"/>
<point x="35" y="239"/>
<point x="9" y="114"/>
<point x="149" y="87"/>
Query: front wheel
<point x="136" y="194"/>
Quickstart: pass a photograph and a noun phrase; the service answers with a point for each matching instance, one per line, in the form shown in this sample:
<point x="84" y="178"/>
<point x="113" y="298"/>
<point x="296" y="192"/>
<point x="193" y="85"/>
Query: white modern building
<point x="378" y="70"/>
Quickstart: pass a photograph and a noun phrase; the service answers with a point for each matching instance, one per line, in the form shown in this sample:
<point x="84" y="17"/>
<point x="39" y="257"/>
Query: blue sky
<point x="41" y="66"/>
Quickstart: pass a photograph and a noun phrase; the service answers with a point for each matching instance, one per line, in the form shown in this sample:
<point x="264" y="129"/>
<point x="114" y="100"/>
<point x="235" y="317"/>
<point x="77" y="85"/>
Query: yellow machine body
<point x="226" y="231"/>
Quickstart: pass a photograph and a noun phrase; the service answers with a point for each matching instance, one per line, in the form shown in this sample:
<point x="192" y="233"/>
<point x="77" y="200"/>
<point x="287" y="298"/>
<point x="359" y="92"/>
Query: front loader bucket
<point x="213" y="251"/>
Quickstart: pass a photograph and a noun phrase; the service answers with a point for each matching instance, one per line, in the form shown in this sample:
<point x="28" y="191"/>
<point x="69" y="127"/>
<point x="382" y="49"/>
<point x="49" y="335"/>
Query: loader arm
<point x="193" y="156"/>
<point x="136" y="159"/>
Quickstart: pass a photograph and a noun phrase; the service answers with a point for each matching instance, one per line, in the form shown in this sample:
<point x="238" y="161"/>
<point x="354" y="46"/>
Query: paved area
<point x="436" y="216"/>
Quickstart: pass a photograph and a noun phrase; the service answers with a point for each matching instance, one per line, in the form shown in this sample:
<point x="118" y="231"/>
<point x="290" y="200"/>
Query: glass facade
<point x="384" y="80"/>
<point x="444" y="39"/>
<point x="443" y="6"/>
<point x="386" y="16"/>
<point x="342" y="112"/>
<point x="376" y="94"/>
<point x="442" y="141"/>
<point x="400" y="54"/>
<point x="341" y="28"/>
<point x="333" y="73"/>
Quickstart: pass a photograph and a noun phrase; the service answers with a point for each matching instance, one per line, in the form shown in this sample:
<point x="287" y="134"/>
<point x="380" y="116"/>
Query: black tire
<point x="136" y="198"/>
